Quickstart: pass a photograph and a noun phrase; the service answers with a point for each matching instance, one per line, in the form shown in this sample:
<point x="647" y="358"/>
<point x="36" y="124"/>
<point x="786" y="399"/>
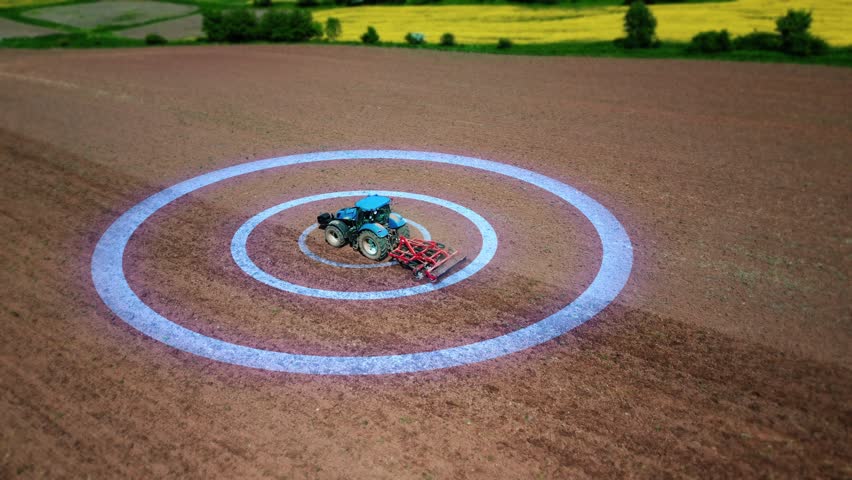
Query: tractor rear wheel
<point x="373" y="247"/>
<point x="334" y="237"/>
<point x="403" y="231"/>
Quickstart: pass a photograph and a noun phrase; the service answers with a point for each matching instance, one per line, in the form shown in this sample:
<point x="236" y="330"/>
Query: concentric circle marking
<point x="241" y="257"/>
<point x="303" y="246"/>
<point x="111" y="283"/>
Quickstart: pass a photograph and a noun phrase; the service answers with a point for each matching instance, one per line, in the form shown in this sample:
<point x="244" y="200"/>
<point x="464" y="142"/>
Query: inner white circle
<point x="303" y="246"/>
<point x="241" y="257"/>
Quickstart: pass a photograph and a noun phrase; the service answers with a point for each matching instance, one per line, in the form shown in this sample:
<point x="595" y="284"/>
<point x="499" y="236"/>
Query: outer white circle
<point x="242" y="259"/>
<point x="111" y="283"/>
<point x="303" y="246"/>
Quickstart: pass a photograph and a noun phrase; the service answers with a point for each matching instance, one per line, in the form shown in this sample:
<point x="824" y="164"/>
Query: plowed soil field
<point x="726" y="355"/>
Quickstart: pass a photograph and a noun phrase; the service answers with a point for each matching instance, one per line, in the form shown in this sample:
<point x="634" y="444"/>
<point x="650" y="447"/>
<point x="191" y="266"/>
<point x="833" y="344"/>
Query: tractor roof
<point x="373" y="202"/>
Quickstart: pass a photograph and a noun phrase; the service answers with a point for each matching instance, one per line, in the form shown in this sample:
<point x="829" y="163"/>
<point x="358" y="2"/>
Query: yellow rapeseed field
<point x="486" y="23"/>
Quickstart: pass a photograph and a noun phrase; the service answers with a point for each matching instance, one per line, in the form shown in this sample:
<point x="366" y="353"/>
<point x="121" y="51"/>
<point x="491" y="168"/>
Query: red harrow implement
<point x="425" y="258"/>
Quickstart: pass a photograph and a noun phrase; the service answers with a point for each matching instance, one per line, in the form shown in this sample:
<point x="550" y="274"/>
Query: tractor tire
<point x="403" y="231"/>
<point x="373" y="247"/>
<point x="334" y="237"/>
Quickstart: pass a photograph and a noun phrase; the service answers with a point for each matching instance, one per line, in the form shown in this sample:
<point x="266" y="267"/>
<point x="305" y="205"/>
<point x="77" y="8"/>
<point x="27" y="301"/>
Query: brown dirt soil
<point x="727" y="355"/>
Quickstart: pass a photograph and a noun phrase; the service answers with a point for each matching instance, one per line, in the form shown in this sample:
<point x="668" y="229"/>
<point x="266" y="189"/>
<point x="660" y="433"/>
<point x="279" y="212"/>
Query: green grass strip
<point x="841" y="57"/>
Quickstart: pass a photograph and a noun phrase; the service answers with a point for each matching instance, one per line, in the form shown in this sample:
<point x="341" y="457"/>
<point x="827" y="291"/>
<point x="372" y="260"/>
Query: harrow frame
<point x="425" y="258"/>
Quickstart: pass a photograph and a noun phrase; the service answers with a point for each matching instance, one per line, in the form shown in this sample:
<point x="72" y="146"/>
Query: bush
<point x="212" y="25"/>
<point x="795" y="37"/>
<point x="795" y="22"/>
<point x="289" y="26"/>
<point x="415" y="38"/>
<point x="640" y="26"/>
<point x="307" y="3"/>
<point x="262" y="3"/>
<point x="371" y="36"/>
<point x="504" y="43"/>
<point x="803" y="45"/>
<point x="711" y="42"/>
<point x="652" y="2"/>
<point x="333" y="28"/>
<point x="758" y="41"/>
<point x="155" y="39"/>
<point x="238" y="25"/>
<point x="448" y="40"/>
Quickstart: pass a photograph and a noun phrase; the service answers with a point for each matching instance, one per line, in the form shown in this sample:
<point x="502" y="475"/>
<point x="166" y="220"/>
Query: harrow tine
<point x="425" y="258"/>
<point x="446" y="266"/>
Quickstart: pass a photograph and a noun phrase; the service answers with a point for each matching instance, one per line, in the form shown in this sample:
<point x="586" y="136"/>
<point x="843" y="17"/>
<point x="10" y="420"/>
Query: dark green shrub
<point x="262" y="3"/>
<point x="640" y="26"/>
<point x="504" y="43"/>
<point x="238" y="25"/>
<point x="818" y="45"/>
<point x="155" y="39"/>
<point x="652" y="2"/>
<point x="758" y="41"/>
<point x="212" y="25"/>
<point x="371" y="36"/>
<point x="803" y="45"/>
<point x="795" y="37"/>
<point x="307" y="3"/>
<point x="710" y="42"/>
<point x="289" y="26"/>
<point x="415" y="38"/>
<point x="796" y="21"/>
<point x="333" y="28"/>
<point x="448" y="40"/>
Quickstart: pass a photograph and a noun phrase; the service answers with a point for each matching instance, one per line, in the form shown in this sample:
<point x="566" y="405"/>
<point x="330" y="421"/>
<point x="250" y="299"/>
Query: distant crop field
<point x="476" y="24"/>
<point x="90" y="15"/>
<point x="25" y="3"/>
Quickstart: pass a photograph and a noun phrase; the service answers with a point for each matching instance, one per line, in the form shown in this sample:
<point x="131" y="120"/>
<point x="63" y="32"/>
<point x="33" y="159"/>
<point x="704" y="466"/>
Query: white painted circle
<point x="242" y="259"/>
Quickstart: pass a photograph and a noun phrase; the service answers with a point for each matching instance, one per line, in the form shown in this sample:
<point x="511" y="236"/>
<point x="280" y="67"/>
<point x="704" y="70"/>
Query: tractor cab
<point x="374" y="209"/>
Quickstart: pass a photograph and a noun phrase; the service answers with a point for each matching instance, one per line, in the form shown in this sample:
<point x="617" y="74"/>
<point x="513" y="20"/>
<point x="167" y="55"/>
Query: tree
<point x="213" y="25"/>
<point x="371" y="36"/>
<point x="640" y="26"/>
<point x="288" y="26"/>
<point x="795" y="37"/>
<point x="333" y="28"/>
<point x="240" y="25"/>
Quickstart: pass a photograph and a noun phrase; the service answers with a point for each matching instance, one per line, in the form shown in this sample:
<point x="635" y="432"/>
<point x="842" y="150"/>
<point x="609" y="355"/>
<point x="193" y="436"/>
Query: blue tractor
<point x="369" y="227"/>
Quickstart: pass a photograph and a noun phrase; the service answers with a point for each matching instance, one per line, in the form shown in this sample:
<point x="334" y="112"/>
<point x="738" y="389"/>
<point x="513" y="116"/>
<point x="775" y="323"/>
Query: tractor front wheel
<point x="334" y="237"/>
<point x="373" y="247"/>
